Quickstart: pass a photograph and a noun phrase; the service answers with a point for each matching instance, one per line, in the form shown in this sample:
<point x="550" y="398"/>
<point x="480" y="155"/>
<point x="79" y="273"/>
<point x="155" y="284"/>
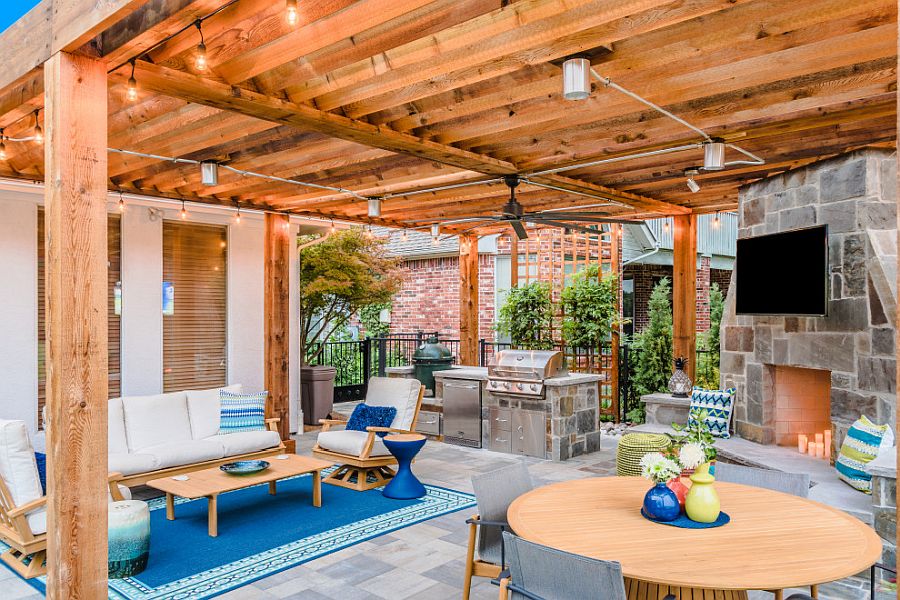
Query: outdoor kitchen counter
<point x="464" y="372"/>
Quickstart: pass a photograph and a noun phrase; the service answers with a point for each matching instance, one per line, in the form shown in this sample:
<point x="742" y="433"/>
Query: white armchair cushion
<point x="204" y="407"/>
<point x="155" y="420"/>
<point x="131" y="463"/>
<point x="37" y="519"/>
<point x="116" y="419"/>
<point x="401" y="393"/>
<point x="18" y="468"/>
<point x="176" y="454"/>
<point x="350" y="442"/>
<point x="242" y="442"/>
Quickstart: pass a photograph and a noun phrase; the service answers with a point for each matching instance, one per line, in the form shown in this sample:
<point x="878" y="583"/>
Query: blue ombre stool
<point x="129" y="538"/>
<point x="404" y="485"/>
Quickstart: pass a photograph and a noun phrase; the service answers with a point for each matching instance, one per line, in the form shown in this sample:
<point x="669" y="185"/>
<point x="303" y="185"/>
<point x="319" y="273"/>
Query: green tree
<point x="654" y="345"/>
<point x="589" y="308"/>
<point x="370" y="318"/>
<point x="708" y="373"/>
<point x="338" y="276"/>
<point x="526" y="316"/>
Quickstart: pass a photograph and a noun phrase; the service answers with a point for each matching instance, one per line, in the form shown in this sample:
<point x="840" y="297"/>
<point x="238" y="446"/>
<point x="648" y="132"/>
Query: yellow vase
<point x="702" y="502"/>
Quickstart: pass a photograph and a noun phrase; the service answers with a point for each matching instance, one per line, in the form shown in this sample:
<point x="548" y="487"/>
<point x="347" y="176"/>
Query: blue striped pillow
<point x="718" y="405"/>
<point x="242" y="412"/>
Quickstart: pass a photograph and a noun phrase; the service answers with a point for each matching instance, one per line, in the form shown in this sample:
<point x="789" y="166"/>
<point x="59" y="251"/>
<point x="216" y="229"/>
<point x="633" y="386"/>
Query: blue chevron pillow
<point x="718" y="405"/>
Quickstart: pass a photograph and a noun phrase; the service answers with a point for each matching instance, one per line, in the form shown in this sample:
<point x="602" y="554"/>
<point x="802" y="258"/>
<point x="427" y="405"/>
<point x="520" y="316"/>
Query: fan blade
<point x="563" y="225"/>
<point x="580" y="207"/>
<point x="569" y="217"/>
<point x="454" y="221"/>
<point x="519" y="229"/>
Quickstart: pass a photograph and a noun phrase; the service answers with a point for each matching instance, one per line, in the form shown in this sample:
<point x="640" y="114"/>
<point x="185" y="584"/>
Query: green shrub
<point x="527" y="315"/>
<point x="653" y="364"/>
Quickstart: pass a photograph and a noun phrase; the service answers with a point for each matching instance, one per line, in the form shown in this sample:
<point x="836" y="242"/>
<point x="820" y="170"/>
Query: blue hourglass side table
<point x="404" y="485"/>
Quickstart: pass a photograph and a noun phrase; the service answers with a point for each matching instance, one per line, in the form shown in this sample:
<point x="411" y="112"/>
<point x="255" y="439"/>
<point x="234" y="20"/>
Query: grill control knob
<point x="533" y="387"/>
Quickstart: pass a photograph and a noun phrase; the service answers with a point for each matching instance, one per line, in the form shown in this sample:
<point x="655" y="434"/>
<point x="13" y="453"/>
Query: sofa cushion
<point x="242" y="412"/>
<point x="18" y="468"/>
<point x="350" y="442"/>
<point x="203" y="407"/>
<point x="130" y="464"/>
<point x="243" y="442"/>
<point x="176" y="454"/>
<point x="116" y="419"/>
<point x="155" y="420"/>
<point x="402" y="394"/>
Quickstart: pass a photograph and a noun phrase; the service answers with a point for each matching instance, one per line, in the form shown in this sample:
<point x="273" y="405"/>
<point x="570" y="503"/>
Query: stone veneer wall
<point x="855" y="195"/>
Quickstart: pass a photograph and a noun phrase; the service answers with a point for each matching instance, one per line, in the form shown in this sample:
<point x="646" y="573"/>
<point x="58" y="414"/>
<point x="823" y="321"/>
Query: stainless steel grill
<point x="522" y="372"/>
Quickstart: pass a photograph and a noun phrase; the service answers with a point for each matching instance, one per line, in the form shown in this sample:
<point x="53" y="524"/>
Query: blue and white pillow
<point x="864" y="441"/>
<point x="718" y="405"/>
<point x="242" y="412"/>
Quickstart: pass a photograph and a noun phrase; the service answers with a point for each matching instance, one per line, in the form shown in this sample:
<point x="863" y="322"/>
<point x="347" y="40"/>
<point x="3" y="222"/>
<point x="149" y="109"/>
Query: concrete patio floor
<point x="425" y="560"/>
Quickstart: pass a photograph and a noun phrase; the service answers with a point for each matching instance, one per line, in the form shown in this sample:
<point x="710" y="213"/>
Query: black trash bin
<point x="316" y="392"/>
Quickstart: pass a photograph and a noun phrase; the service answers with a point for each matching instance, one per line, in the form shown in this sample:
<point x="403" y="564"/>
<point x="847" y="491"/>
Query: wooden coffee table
<point x="209" y="483"/>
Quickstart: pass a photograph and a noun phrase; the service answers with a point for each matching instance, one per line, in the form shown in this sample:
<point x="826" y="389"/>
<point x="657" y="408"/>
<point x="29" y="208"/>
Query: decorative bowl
<point x="245" y="467"/>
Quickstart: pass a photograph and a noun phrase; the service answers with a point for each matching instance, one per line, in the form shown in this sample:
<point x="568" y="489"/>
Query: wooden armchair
<point x="364" y="460"/>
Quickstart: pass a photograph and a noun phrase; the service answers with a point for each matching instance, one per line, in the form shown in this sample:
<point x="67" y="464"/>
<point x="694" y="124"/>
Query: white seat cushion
<point x="155" y="420"/>
<point x="18" y="469"/>
<point x="401" y="393"/>
<point x="350" y="442"/>
<point x="130" y="464"/>
<point x="176" y="454"/>
<point x="116" y="419"/>
<point x="37" y="519"/>
<point x="242" y="442"/>
<point x="204" y="409"/>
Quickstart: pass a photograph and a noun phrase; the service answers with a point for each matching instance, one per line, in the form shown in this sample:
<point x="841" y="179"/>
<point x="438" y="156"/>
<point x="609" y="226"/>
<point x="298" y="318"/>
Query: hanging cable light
<point x="132" y="93"/>
<point x="291" y="12"/>
<point x="200" y="58"/>
<point x="576" y="78"/>
<point x="374" y="207"/>
<point x="237" y="215"/>
<point x="2" y="145"/>
<point x="714" y="155"/>
<point x="666" y="225"/>
<point x="333" y="228"/>
<point x="404" y="237"/>
<point x="692" y="185"/>
<point x="716" y="222"/>
<point x="38" y="132"/>
<point x="184" y="214"/>
<point x="121" y="202"/>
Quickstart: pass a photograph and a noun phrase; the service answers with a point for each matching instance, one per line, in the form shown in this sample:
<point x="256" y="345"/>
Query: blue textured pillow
<point x="718" y="405"/>
<point x="41" y="459"/>
<point x="371" y="416"/>
<point x="242" y="412"/>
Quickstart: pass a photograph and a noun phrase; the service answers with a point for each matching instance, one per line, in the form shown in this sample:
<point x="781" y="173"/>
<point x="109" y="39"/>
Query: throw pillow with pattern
<point x="860" y="447"/>
<point x="718" y="405"/>
<point x="371" y="416"/>
<point x="242" y="412"/>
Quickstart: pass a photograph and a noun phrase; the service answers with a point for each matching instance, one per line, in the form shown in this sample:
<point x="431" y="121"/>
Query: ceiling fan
<point x="516" y="216"/>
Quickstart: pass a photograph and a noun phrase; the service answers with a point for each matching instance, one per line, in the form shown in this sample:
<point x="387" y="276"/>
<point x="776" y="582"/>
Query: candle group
<point x="818" y="447"/>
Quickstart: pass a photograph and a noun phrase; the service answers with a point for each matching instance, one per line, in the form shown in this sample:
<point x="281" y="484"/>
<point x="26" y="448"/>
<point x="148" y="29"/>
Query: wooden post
<point x="468" y="299"/>
<point x="514" y="259"/>
<point x="615" y="269"/>
<point x="277" y="318"/>
<point x="76" y="313"/>
<point x="684" y="290"/>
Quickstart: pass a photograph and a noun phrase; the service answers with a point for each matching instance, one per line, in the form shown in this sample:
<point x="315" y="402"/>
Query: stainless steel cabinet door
<point x="528" y="433"/>
<point x="462" y="410"/>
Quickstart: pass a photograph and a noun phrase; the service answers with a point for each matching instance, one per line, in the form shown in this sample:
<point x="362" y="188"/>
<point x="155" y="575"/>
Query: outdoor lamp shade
<point x="576" y="79"/>
<point x="714" y="155"/>
<point x="435" y="231"/>
<point x="209" y="173"/>
<point x="374" y="207"/>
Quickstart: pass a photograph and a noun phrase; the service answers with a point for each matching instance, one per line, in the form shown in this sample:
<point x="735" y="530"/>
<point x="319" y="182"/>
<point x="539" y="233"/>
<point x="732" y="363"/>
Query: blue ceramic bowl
<point x="245" y="467"/>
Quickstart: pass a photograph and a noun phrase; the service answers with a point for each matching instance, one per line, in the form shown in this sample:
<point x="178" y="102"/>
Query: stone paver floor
<point x="425" y="560"/>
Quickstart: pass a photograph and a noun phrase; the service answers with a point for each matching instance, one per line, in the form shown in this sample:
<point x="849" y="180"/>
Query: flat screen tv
<point x="783" y="273"/>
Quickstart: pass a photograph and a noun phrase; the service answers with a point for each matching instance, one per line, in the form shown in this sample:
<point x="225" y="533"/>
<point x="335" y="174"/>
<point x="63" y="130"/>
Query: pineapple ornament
<point x="680" y="383"/>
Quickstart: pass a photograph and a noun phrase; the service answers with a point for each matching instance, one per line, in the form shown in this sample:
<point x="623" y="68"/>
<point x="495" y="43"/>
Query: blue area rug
<point x="260" y="535"/>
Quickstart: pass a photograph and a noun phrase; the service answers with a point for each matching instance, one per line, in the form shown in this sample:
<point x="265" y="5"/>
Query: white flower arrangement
<point x="692" y="455"/>
<point x="659" y="469"/>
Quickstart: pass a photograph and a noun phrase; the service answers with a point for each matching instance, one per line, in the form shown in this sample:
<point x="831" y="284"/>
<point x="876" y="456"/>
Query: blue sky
<point x="11" y="10"/>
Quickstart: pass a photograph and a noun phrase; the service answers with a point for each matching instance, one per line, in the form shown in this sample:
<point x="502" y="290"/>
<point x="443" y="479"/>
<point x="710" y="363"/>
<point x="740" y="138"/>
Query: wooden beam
<point x="76" y="292"/>
<point x="277" y="319"/>
<point x="684" y="290"/>
<point x="468" y="299"/>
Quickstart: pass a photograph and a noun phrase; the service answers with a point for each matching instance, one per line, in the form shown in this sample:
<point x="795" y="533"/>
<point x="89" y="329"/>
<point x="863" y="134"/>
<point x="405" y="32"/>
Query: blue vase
<point x="661" y="503"/>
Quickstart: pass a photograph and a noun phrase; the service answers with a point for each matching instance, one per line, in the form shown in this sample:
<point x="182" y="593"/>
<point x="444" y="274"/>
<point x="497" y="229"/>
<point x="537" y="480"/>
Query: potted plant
<point x="695" y="432"/>
<point x="338" y="276"/>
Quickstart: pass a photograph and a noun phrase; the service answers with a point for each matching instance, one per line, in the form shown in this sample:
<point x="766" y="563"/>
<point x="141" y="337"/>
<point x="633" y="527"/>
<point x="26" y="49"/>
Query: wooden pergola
<point x="381" y="98"/>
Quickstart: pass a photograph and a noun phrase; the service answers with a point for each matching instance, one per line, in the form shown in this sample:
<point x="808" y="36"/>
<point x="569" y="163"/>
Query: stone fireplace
<point x="803" y="374"/>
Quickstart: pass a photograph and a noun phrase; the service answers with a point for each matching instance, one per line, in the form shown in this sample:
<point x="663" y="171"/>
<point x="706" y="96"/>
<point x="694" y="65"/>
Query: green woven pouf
<point x="633" y="447"/>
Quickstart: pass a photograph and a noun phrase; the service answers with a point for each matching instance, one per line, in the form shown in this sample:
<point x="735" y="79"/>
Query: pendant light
<point x="404" y="237"/>
<point x="333" y="228"/>
<point x="374" y="207"/>
<point x="184" y="214"/>
<point x="576" y="78"/>
<point x="38" y="132"/>
<point x="716" y="222"/>
<point x="132" y="93"/>
<point x="2" y="145"/>
<point x="291" y="12"/>
<point x="200" y="57"/>
<point x="121" y="202"/>
<point x="435" y="233"/>
<point x="237" y="215"/>
<point x="209" y="173"/>
<point x="714" y="155"/>
<point x="691" y="183"/>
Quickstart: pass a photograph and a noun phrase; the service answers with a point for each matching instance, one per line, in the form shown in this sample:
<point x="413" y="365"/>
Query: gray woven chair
<point x="540" y="573"/>
<point x="494" y="492"/>
<point x="796" y="484"/>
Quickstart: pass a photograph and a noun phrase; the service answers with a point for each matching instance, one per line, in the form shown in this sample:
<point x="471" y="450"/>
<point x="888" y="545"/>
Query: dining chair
<point x="494" y="492"/>
<point x="796" y="484"/>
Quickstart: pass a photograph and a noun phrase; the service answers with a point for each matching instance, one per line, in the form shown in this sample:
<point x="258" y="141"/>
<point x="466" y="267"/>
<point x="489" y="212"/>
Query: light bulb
<point x="404" y="236"/>
<point x="132" y="95"/>
<point x="333" y="228"/>
<point x="200" y="60"/>
<point x="183" y="212"/>
<point x="2" y="151"/>
<point x="715" y="222"/>
<point x="291" y="12"/>
<point x="237" y="217"/>
<point x="121" y="204"/>
<point x="38" y="134"/>
<point x="666" y="226"/>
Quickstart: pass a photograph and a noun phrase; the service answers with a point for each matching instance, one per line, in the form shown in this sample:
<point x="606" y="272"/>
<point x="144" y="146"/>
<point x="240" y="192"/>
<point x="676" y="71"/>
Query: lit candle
<point x="811" y="448"/>
<point x="802" y="442"/>
<point x="828" y="443"/>
<point x="828" y="452"/>
<point x="820" y="450"/>
<point x="819" y="438"/>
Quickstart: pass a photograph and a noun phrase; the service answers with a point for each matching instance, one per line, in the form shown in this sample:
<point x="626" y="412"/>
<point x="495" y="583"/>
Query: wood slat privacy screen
<point x="114" y="259"/>
<point x="194" y="317"/>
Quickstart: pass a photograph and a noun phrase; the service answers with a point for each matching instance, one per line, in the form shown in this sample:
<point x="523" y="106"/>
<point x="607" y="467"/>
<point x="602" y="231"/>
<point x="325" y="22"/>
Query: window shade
<point x="114" y="259"/>
<point x="194" y="317"/>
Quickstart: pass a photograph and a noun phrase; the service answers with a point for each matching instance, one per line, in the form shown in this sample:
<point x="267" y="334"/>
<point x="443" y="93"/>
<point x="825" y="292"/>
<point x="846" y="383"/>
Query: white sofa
<point x="151" y="436"/>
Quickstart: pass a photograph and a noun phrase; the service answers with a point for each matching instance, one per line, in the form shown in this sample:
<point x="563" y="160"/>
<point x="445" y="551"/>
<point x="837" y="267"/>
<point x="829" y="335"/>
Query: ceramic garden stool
<point x="404" y="485"/>
<point x="129" y="538"/>
<point x="632" y="448"/>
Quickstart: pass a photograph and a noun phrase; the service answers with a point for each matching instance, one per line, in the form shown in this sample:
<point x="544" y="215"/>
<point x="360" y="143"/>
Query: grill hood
<point x="534" y="365"/>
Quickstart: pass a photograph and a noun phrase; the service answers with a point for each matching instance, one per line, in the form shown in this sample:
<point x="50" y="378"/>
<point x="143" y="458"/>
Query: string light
<point x="38" y="132"/>
<point x="200" y="59"/>
<point x="237" y="216"/>
<point x="715" y="222"/>
<point x="333" y="228"/>
<point x="666" y="226"/>
<point x="2" y="145"/>
<point x="183" y="211"/>
<point x="121" y="202"/>
<point x="291" y="12"/>
<point x="132" y="93"/>
<point x="404" y="236"/>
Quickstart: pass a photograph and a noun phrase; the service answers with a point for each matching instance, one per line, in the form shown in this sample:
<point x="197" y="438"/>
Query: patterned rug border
<point x="225" y="578"/>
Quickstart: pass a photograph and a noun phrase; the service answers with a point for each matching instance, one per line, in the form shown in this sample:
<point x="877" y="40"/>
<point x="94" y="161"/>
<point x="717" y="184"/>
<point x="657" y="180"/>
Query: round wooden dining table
<point x="774" y="540"/>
